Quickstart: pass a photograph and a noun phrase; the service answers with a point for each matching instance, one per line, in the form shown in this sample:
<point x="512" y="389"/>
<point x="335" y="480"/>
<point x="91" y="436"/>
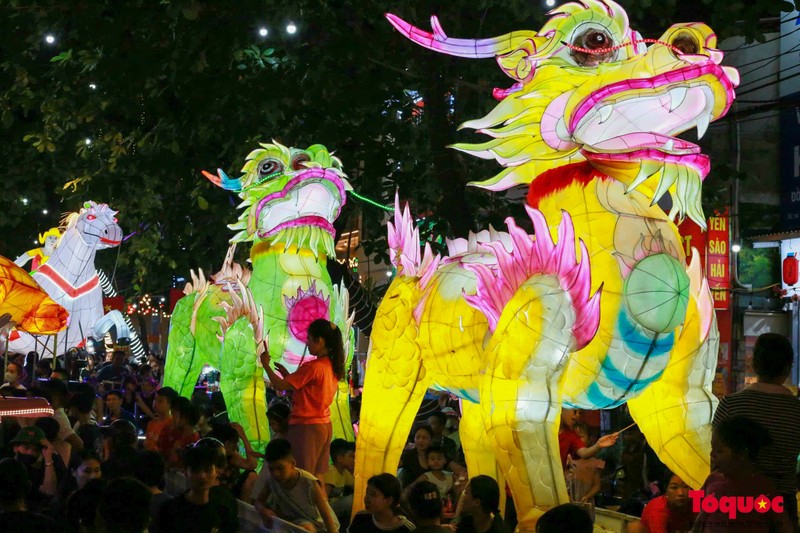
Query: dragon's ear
<point x="517" y="64"/>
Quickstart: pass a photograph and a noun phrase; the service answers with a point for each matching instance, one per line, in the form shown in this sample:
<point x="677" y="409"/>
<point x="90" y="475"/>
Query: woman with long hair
<point x="382" y="508"/>
<point x="480" y="507"/>
<point x="314" y="386"/>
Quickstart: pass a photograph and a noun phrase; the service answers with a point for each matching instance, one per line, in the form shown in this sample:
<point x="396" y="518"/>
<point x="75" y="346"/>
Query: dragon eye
<point x="298" y="160"/>
<point x="685" y="44"/>
<point x="90" y="217"/>
<point x="594" y="47"/>
<point x="269" y="166"/>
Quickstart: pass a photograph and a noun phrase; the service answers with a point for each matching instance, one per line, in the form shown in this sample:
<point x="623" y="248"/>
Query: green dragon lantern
<point x="290" y="198"/>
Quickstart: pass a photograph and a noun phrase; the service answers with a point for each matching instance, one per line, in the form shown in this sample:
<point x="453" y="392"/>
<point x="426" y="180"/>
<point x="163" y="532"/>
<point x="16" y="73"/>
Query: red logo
<point x="734" y="504"/>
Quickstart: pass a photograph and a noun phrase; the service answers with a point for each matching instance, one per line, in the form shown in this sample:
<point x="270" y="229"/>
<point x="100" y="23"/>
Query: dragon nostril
<point x="686" y="44"/>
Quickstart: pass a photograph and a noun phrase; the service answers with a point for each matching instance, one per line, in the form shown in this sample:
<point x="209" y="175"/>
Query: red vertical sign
<point x="693" y="237"/>
<point x="718" y="261"/>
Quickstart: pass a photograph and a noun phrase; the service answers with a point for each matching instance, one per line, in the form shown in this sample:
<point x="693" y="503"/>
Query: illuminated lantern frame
<point x="596" y="308"/>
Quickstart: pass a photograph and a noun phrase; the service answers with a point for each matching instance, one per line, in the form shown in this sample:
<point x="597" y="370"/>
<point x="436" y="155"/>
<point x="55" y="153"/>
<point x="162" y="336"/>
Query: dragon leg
<point x="341" y="423"/>
<point x="478" y="448"/>
<point x="182" y="365"/>
<point x="521" y="394"/>
<point x="394" y="386"/>
<point x="675" y="412"/>
<point x="241" y="374"/>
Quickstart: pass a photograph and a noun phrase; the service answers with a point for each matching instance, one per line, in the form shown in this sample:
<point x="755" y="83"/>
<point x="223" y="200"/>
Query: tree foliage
<point x="163" y="90"/>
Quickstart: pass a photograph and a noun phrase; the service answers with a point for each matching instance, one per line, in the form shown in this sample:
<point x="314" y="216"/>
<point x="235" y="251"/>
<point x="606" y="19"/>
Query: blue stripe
<point x="596" y="397"/>
<point x="638" y="342"/>
<point x="619" y="379"/>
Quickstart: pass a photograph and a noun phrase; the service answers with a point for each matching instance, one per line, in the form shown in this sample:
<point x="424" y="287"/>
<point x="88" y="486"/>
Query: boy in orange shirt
<point x="162" y="405"/>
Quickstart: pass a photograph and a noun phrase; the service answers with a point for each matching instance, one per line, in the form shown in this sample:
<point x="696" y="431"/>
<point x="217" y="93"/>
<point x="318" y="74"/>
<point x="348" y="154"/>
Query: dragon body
<point x="291" y="199"/>
<point x="597" y="307"/>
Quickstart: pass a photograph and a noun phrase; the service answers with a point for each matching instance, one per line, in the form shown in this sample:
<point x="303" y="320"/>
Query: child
<point x="436" y="473"/>
<point x="293" y="494"/>
<point x="339" y="481"/>
<point x="585" y="477"/>
<point x="174" y="438"/>
<point x="382" y="512"/>
<point x="195" y="510"/>
<point x="278" y="418"/>
<point x="162" y="405"/>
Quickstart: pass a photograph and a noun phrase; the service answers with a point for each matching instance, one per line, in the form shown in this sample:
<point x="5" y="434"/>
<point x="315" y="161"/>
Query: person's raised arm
<point x="278" y="382"/>
<point x="603" y="442"/>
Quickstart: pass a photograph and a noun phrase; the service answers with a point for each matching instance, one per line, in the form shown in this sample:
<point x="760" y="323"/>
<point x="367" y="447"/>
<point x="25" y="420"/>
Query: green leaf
<point x="63" y="57"/>
<point x="202" y="203"/>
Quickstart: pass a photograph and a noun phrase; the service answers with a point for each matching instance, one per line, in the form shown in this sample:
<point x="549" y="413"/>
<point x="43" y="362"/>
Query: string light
<point x="263" y="32"/>
<point x="371" y="202"/>
<point x="49" y="38"/>
<point x="606" y="50"/>
<point x="291" y="29"/>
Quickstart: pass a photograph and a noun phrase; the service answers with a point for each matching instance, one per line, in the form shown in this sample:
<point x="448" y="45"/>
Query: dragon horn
<point x="470" y="48"/>
<point x="222" y="180"/>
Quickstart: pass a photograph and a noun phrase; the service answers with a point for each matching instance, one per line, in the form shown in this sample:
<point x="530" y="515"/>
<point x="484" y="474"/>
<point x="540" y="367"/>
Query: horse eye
<point x="90" y="217"/>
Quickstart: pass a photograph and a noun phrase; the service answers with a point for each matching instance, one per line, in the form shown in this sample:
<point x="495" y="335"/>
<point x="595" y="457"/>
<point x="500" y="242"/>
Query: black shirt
<point x="27" y="522"/>
<point x="411" y="467"/>
<point x="181" y="516"/>
<point x="364" y="523"/>
<point x="467" y="525"/>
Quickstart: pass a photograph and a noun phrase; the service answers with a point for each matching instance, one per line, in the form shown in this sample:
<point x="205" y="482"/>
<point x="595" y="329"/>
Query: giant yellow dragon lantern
<point x="597" y="308"/>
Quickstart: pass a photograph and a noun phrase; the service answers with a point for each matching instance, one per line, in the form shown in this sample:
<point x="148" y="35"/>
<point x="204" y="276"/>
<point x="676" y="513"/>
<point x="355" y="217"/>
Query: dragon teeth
<point x="605" y="113"/>
<point x="702" y="124"/>
<point x="676" y="97"/>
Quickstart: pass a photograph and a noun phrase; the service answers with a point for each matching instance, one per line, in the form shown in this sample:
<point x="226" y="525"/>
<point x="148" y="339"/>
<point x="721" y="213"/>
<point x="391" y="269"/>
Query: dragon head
<point x="290" y="196"/>
<point x="587" y="88"/>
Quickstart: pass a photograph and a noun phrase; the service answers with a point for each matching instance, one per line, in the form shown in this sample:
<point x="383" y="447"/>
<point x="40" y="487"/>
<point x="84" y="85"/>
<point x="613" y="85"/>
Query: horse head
<point x="97" y="225"/>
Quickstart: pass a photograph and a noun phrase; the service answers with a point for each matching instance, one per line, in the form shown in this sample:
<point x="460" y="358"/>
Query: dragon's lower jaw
<point x="316" y="237"/>
<point x="311" y="221"/>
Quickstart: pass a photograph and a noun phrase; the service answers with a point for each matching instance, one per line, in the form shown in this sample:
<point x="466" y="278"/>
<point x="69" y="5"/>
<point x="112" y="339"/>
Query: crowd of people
<point x="102" y="461"/>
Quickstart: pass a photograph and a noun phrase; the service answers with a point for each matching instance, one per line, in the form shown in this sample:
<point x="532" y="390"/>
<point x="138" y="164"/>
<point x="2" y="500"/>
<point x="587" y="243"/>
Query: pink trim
<point x="311" y="220"/>
<point x="698" y="162"/>
<point x="682" y="75"/>
<point x="310" y="174"/>
<point x="538" y="256"/>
